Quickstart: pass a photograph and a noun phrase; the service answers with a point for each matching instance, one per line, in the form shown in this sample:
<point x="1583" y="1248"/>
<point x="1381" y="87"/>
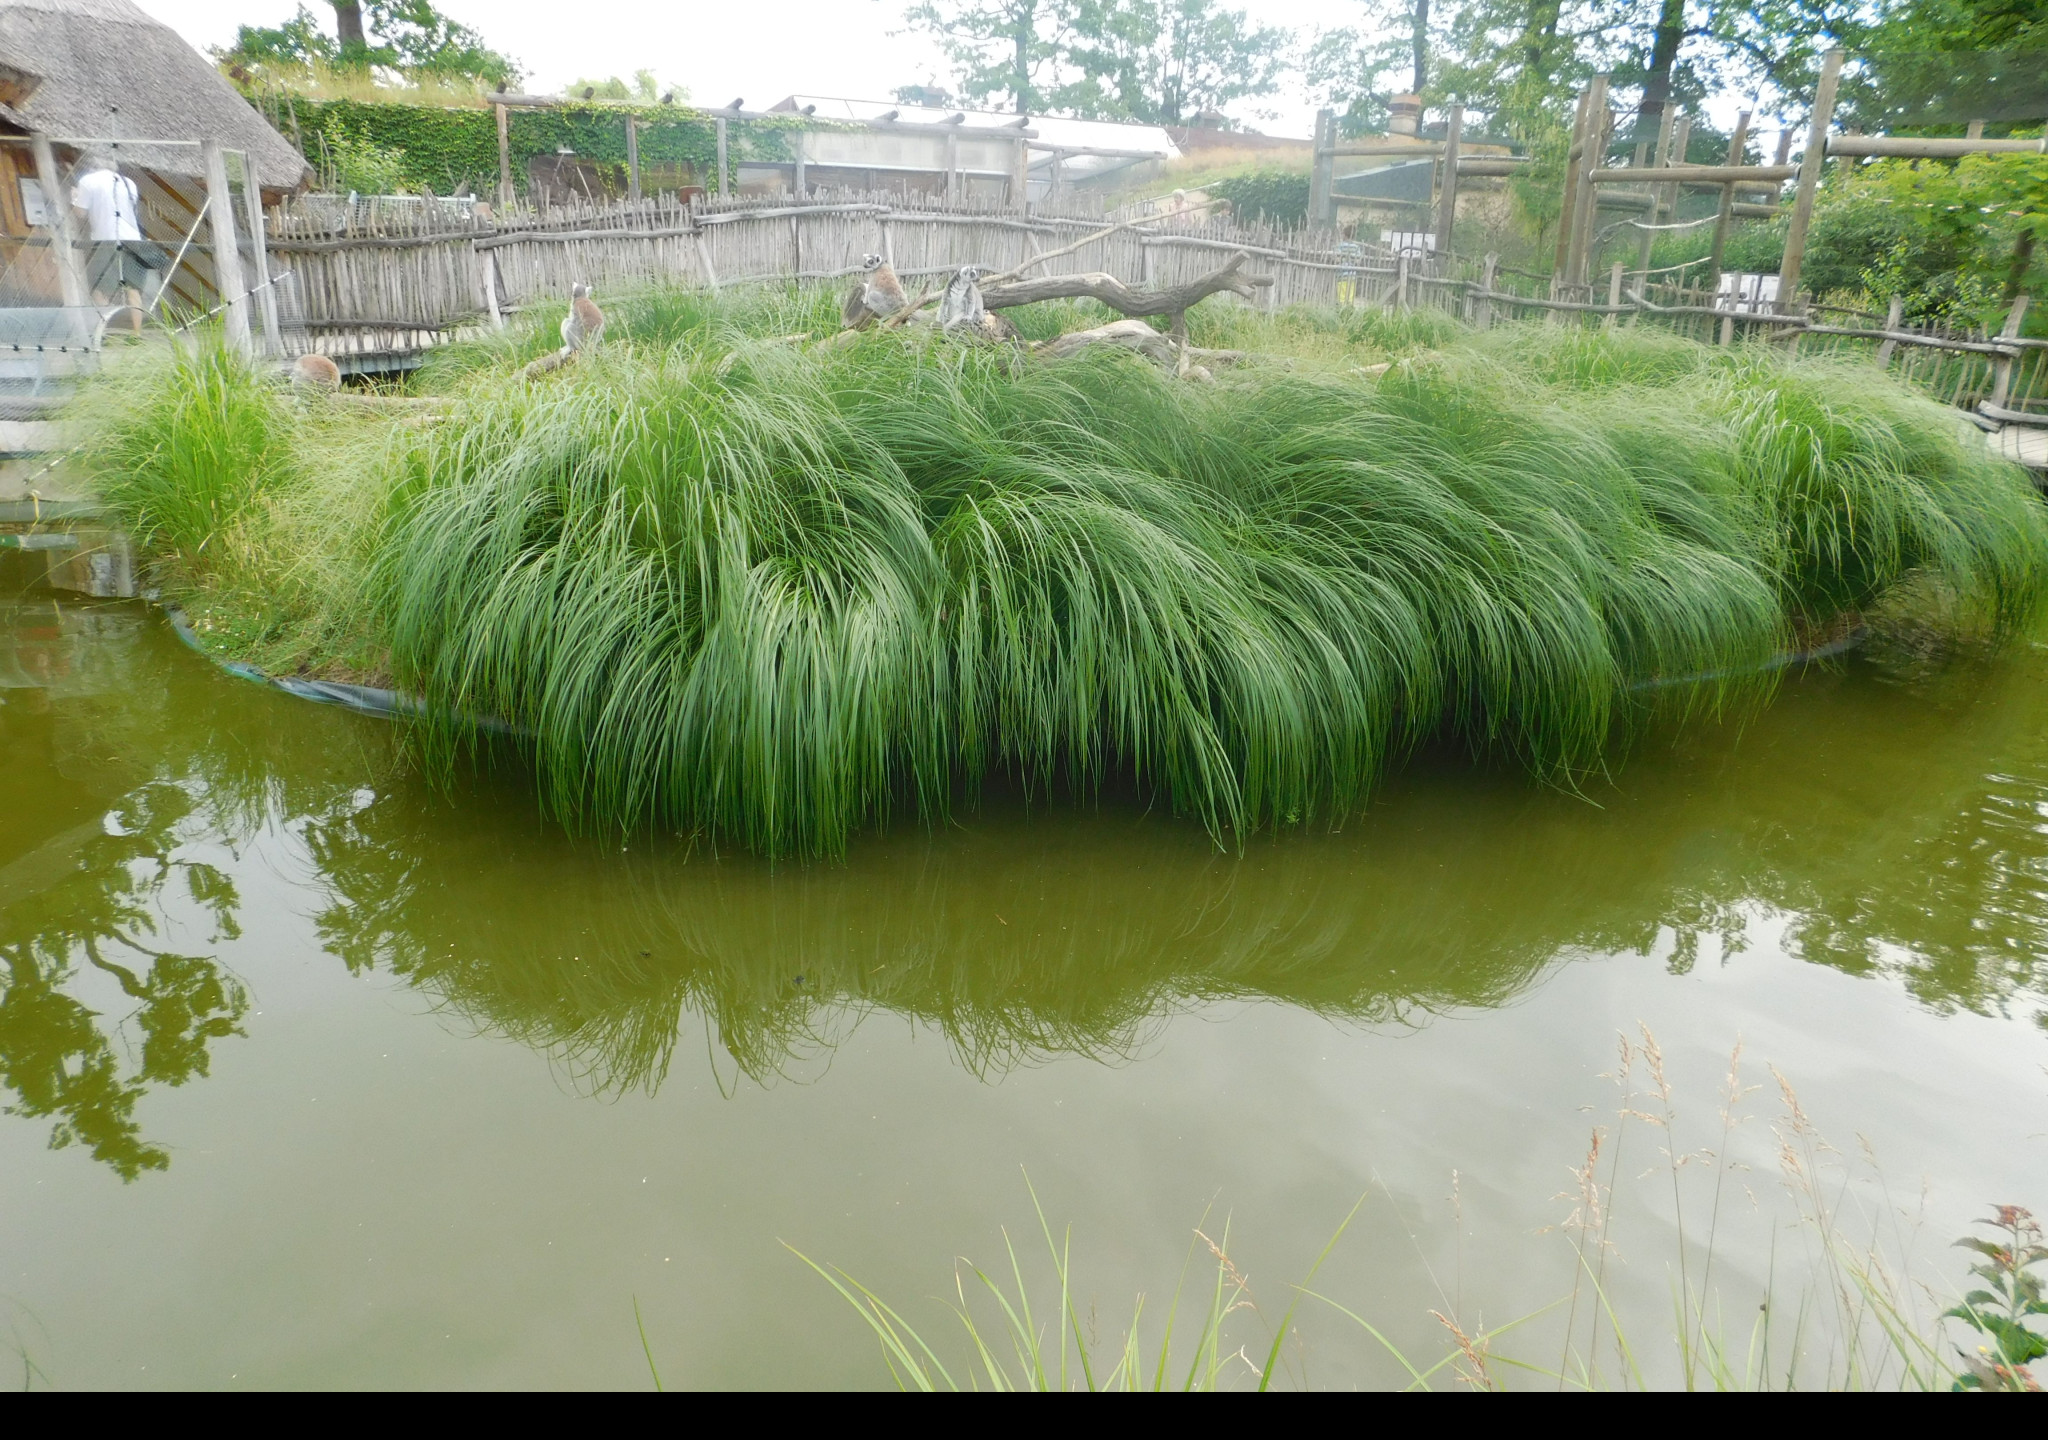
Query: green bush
<point x="1272" y="195"/>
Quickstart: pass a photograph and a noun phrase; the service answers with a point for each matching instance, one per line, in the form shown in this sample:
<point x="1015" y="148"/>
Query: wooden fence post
<point x="504" y="158"/>
<point x="227" y="259"/>
<point x="1568" y="208"/>
<point x="721" y="156"/>
<point x="2001" y="366"/>
<point x="1447" y="199"/>
<point x="487" y="284"/>
<point x="1893" y="318"/>
<point x="1725" y="218"/>
<point x="1484" y="314"/>
<point x="953" y="165"/>
<point x="1809" y="179"/>
<point x="633" y="160"/>
<point x="1599" y="120"/>
<point x="1660" y="157"/>
<point x="266" y="294"/>
<point x="1321" y="166"/>
<point x="63" y="229"/>
<point x="1613" y="295"/>
<point x="1020" y="177"/>
<point x="799" y="179"/>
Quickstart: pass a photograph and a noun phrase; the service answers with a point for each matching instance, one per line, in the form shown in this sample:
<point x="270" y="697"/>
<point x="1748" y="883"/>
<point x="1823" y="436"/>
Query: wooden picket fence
<point x="391" y="276"/>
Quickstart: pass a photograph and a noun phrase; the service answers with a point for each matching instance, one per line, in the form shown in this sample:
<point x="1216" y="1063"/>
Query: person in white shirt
<point x="122" y="260"/>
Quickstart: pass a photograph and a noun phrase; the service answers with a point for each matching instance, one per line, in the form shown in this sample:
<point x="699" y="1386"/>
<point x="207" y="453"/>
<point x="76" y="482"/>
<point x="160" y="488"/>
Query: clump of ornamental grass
<point x="733" y="584"/>
<point x="183" y="439"/>
<point x="777" y="594"/>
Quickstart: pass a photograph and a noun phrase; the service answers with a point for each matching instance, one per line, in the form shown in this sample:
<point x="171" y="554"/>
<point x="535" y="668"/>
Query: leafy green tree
<point x="1162" y="61"/>
<point x="409" y="36"/>
<point x="1171" y="61"/>
<point x="1001" y="49"/>
<point x="643" y="89"/>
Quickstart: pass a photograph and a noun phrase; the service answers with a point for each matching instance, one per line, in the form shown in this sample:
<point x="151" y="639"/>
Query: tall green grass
<point x="731" y="583"/>
<point x="183" y="439"/>
<point x="774" y="593"/>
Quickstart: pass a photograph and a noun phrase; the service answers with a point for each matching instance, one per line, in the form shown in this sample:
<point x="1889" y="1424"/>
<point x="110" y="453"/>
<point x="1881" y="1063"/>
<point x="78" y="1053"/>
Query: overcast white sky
<point x="760" y="50"/>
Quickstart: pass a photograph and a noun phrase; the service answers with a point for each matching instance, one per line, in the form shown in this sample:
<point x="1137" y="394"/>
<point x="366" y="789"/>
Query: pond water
<point x="317" y="1076"/>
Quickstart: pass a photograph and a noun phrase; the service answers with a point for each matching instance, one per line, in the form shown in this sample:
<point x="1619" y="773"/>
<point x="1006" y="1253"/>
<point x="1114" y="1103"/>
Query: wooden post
<point x="952" y="165"/>
<point x="266" y="296"/>
<point x="1401" y="281"/>
<point x="1321" y="164"/>
<point x="63" y="228"/>
<point x="1726" y="217"/>
<point x="1568" y="209"/>
<point x="504" y="158"/>
<point x="722" y="190"/>
<point x="227" y="260"/>
<point x="798" y="180"/>
<point x="1447" y="199"/>
<point x="2001" y="366"/>
<point x="1657" y="213"/>
<point x="1894" y="317"/>
<point x="1784" y="148"/>
<point x="1809" y="179"/>
<point x="1484" y="314"/>
<point x="487" y="283"/>
<point x="1681" y="146"/>
<point x="1020" y="177"/>
<point x="1052" y="193"/>
<point x="1976" y="132"/>
<point x="1599" y="120"/>
<point x="632" y="159"/>
<point x="1613" y="294"/>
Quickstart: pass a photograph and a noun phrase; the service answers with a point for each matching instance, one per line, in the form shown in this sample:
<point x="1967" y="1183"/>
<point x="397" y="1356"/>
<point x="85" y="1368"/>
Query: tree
<point x="1163" y="61"/>
<point x="411" y="37"/>
<point x="348" y="26"/>
<point x="1000" y="48"/>
<point x="1170" y="61"/>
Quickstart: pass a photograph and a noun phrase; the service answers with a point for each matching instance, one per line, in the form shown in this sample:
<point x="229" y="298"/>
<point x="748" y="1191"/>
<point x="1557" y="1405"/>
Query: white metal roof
<point x="1052" y="129"/>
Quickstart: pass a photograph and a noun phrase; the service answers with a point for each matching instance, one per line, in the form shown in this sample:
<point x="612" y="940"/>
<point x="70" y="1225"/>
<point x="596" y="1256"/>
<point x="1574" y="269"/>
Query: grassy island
<point x="724" y="579"/>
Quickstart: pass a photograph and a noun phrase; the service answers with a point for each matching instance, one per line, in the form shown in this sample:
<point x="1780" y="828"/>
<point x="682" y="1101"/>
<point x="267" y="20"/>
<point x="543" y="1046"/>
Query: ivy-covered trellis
<point x="450" y="149"/>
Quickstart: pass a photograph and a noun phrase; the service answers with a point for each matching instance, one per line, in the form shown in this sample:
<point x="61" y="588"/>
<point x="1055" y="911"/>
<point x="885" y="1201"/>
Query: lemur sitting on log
<point x="878" y="296"/>
<point x="962" y="312"/>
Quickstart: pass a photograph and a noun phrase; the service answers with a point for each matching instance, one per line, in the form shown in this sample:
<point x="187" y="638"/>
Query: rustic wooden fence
<point x="377" y="278"/>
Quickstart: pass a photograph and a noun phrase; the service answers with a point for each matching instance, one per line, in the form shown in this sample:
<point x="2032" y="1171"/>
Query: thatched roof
<point x="95" y="55"/>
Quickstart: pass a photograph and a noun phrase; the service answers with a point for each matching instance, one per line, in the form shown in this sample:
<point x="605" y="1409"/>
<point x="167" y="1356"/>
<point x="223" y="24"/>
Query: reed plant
<point x="183" y="438"/>
<point x="736" y="584"/>
<point x="745" y="588"/>
<point x="1838" y="1311"/>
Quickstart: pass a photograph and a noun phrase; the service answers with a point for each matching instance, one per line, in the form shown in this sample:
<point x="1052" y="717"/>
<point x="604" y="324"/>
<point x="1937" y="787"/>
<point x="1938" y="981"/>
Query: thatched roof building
<point x="105" y="71"/>
<point x="100" y="75"/>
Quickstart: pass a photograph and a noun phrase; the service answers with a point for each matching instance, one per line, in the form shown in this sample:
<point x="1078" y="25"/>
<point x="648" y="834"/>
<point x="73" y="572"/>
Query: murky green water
<point x="315" y="1078"/>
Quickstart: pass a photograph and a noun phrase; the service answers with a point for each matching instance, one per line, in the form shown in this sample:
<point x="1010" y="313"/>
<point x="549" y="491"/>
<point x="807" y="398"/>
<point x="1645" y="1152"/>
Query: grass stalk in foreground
<point x="1852" y="1324"/>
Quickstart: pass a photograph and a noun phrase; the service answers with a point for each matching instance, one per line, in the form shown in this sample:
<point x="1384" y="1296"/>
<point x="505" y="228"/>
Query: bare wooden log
<point x="1094" y="285"/>
<point x="1130" y="334"/>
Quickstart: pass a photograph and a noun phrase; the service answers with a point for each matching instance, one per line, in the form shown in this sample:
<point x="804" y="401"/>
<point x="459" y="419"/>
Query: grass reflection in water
<point x="1892" y="817"/>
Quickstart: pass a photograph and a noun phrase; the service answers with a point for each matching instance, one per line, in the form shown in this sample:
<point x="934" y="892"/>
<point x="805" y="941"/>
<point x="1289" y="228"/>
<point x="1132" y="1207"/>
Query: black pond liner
<point x="397" y="705"/>
<point x="363" y="699"/>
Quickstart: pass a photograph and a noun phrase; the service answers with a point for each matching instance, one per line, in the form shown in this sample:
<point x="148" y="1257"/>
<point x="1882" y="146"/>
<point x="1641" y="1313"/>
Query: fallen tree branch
<point x="1121" y="297"/>
<point x="1036" y="260"/>
<point x="1130" y="334"/>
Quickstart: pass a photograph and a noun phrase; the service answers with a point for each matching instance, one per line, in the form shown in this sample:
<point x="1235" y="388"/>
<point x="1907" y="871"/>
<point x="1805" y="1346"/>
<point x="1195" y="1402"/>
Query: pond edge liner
<point x="363" y="699"/>
<point x="1786" y="661"/>
<point x="398" y="705"/>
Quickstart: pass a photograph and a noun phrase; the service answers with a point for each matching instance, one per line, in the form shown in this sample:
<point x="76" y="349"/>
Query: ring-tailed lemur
<point x="583" y="326"/>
